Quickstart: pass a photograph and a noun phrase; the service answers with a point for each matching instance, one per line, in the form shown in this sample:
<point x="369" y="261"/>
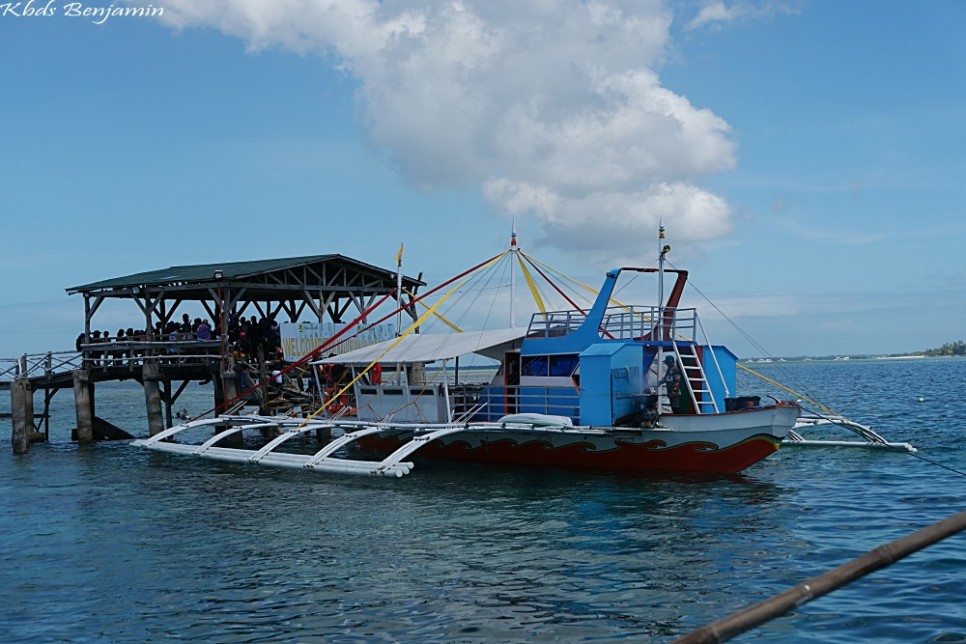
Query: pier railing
<point x="135" y="353"/>
<point x="103" y="355"/>
<point x="37" y="364"/>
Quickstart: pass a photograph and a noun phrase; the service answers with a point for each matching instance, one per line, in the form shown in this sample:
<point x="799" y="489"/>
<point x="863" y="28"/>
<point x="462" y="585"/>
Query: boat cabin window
<point x="534" y="366"/>
<point x="563" y="365"/>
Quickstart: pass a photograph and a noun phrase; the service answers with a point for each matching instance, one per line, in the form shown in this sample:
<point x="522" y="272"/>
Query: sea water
<point x="112" y="543"/>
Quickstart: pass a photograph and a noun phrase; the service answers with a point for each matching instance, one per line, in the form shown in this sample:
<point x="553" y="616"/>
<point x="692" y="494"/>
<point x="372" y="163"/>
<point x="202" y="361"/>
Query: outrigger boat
<point x="616" y="387"/>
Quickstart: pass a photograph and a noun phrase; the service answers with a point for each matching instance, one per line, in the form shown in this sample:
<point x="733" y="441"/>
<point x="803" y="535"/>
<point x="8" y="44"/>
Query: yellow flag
<point x="399" y="254"/>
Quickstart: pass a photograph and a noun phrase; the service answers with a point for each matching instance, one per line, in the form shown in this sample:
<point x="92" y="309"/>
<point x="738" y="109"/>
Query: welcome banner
<point x="301" y="338"/>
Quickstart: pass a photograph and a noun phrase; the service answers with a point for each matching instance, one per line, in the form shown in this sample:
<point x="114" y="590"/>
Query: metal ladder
<point x="693" y="373"/>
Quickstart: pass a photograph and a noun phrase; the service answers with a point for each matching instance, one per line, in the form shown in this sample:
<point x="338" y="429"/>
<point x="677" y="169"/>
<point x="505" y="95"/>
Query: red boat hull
<point x="651" y="456"/>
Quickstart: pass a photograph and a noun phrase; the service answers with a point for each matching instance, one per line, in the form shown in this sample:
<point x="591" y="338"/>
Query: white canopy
<point x="430" y="347"/>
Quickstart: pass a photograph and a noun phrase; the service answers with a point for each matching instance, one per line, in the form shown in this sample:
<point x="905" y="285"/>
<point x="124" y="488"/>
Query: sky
<point x="806" y="157"/>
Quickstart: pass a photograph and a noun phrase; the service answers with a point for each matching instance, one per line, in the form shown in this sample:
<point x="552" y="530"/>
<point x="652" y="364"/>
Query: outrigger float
<point x="622" y="388"/>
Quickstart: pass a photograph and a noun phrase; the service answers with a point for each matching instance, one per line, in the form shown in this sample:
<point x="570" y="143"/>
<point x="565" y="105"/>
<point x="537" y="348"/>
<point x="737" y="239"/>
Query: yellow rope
<point x="589" y="289"/>
<point x="439" y="315"/>
<point x="412" y="327"/>
<point x="533" y="287"/>
<point x="791" y="391"/>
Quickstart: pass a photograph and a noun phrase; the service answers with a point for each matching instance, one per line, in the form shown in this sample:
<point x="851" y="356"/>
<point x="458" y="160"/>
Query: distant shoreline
<point x="842" y="358"/>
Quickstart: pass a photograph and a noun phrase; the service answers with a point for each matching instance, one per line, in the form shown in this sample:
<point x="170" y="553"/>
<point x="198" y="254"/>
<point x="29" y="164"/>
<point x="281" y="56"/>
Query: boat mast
<point x="399" y="301"/>
<point x="662" y="251"/>
<point x="513" y="259"/>
<point x="399" y="367"/>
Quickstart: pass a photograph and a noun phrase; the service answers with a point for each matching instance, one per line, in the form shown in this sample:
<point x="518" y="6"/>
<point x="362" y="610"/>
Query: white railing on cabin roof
<point x="554" y="324"/>
<point x="618" y="322"/>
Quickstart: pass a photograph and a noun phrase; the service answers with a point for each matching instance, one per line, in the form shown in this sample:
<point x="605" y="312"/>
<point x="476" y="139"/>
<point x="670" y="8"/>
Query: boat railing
<point x="554" y="324"/>
<point x="636" y="322"/>
<point x="619" y="322"/>
<point x="496" y="402"/>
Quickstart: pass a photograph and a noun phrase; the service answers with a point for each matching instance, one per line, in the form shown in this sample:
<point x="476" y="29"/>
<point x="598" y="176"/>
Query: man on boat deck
<point x="672" y="380"/>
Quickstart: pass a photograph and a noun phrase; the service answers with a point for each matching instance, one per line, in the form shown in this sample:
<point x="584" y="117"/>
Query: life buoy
<point x="376" y="374"/>
<point x="333" y="404"/>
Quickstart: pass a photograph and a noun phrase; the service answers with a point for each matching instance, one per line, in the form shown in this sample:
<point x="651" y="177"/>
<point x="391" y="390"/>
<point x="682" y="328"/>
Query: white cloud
<point x="553" y="107"/>
<point x="611" y="226"/>
<point x="716" y="13"/>
<point x="713" y="12"/>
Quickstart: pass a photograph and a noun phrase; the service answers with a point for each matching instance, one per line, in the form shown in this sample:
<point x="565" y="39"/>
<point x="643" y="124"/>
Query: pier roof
<point x="266" y="280"/>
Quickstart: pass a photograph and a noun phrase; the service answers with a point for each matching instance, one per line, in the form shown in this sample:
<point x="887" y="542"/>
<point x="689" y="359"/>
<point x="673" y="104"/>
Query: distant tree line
<point x="957" y="348"/>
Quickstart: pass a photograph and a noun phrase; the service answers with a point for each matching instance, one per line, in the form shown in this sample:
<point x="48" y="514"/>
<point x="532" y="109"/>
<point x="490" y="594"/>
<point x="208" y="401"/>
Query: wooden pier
<point x="320" y="288"/>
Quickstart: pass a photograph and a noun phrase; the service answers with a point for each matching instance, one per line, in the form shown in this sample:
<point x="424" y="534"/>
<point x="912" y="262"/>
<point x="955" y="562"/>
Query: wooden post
<point x="168" y="399"/>
<point x="150" y="375"/>
<point x="230" y="385"/>
<point x="33" y="436"/>
<point x="18" y="403"/>
<point x="218" y="389"/>
<point x="83" y="406"/>
<point x="226" y="389"/>
<point x="28" y="405"/>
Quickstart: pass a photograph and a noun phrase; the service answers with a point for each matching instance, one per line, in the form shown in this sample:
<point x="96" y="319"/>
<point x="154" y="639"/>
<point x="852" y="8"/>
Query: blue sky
<point x="806" y="157"/>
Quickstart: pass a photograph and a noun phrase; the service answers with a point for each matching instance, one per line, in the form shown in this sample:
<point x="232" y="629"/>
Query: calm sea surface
<point x="114" y="543"/>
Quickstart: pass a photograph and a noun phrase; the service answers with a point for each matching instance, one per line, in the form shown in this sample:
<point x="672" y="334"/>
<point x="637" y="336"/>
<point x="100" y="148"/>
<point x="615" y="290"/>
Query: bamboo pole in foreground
<point x="744" y="620"/>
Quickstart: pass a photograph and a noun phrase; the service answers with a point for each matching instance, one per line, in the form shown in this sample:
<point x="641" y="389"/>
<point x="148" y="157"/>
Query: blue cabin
<point x="607" y="366"/>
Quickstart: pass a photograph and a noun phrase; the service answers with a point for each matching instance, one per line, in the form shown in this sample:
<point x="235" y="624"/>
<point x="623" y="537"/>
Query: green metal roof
<point x="233" y="271"/>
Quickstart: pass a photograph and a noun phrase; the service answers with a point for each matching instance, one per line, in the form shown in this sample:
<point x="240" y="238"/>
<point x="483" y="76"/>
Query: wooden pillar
<point x="22" y="419"/>
<point x="230" y="385"/>
<point x="150" y="375"/>
<point x="263" y="392"/>
<point x="33" y="436"/>
<point x="84" y="406"/>
<point x="29" y="408"/>
<point x="226" y="389"/>
<point x="219" y="392"/>
<point x="168" y="399"/>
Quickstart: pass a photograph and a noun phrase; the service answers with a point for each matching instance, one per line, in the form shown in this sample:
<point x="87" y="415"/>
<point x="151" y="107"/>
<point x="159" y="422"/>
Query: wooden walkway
<point x="112" y="362"/>
<point x="163" y="367"/>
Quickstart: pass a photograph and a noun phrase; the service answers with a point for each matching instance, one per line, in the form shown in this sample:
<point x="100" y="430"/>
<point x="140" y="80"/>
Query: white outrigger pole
<point x="827" y="418"/>
<point x="872" y="439"/>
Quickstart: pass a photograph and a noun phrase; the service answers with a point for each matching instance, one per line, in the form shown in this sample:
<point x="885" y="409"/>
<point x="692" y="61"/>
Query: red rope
<point x="553" y="284"/>
<point x="328" y="343"/>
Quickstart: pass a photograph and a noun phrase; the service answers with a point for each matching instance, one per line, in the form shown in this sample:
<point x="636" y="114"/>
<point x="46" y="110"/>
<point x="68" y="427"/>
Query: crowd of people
<point x="251" y="339"/>
<point x="255" y="340"/>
